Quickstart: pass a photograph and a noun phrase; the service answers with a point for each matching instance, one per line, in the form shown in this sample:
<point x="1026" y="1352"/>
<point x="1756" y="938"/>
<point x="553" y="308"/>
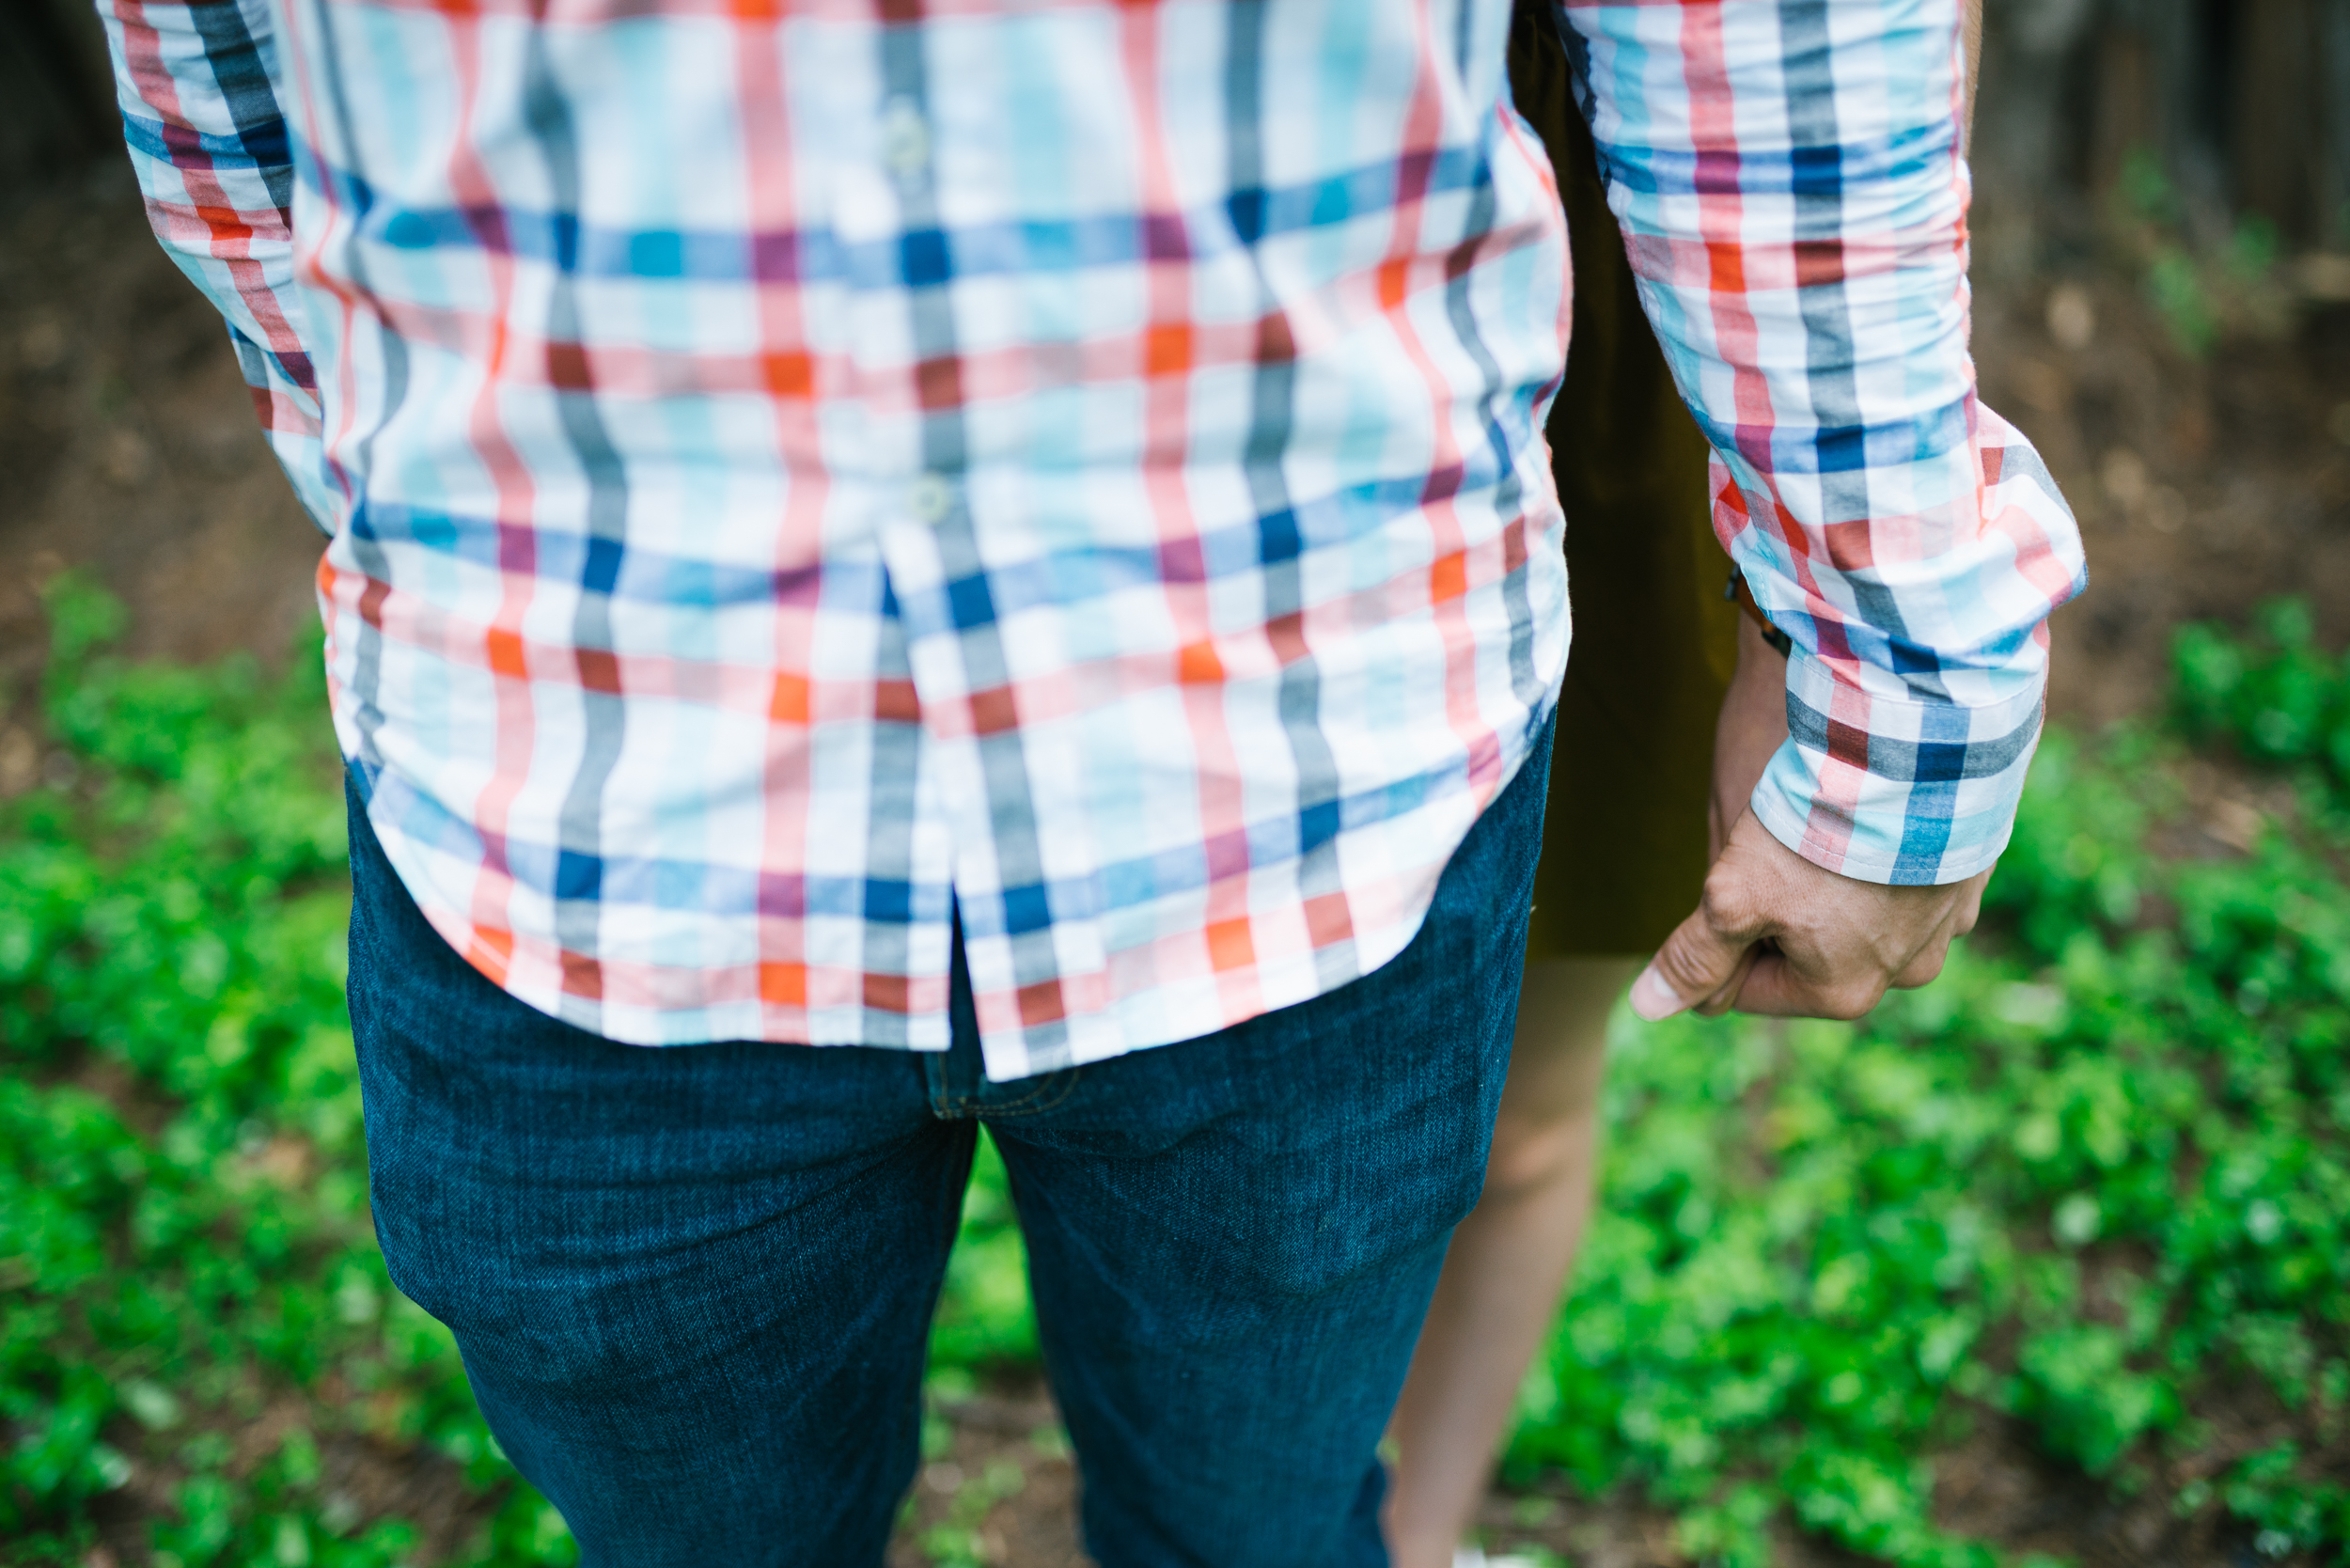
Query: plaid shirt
<point x="798" y="472"/>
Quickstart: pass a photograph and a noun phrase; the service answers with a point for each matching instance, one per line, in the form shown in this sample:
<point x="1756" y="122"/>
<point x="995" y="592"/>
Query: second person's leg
<point x="1625" y="847"/>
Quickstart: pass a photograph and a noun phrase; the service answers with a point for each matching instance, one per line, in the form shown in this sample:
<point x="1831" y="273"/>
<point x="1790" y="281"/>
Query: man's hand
<point x="1775" y="934"/>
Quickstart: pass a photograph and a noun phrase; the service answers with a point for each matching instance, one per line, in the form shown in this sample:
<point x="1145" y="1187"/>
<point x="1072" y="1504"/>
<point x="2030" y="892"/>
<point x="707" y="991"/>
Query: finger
<point x="1970" y="907"/>
<point x="1925" y="968"/>
<point x="1725" y="995"/>
<point x="1653" y="999"/>
<point x="1775" y="988"/>
<point x="1925" y="965"/>
<point x="1695" y="961"/>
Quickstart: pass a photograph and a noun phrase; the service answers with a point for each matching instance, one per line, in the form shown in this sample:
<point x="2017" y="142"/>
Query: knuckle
<point x="1728" y="903"/>
<point x="1852" y="999"/>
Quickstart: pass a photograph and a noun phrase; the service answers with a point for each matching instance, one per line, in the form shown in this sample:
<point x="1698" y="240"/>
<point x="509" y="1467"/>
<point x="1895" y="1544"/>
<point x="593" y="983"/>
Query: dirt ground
<point x="128" y="448"/>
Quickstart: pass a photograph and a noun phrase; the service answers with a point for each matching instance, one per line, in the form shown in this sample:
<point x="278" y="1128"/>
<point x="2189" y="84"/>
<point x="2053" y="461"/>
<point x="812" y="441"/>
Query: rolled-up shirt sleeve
<point x="1789" y="180"/>
<point x="207" y="138"/>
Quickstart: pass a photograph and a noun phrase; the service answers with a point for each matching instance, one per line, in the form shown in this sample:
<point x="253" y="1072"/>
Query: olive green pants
<point x="1624" y="838"/>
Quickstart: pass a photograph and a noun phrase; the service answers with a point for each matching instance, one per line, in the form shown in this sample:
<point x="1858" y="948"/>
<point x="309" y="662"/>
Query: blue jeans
<point x="693" y="1286"/>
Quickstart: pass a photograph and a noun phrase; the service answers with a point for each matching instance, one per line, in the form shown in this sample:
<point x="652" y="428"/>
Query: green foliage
<point x="2076" y="862"/>
<point x="171" y="955"/>
<point x="2092" y="1179"/>
<point x="955" y="1542"/>
<point x="2175" y="285"/>
<point x="2145" y="189"/>
<point x="2093" y="1176"/>
<point x="2276" y="698"/>
<point x="183" y="1231"/>
<point x="2203" y="287"/>
<point x="984" y="1320"/>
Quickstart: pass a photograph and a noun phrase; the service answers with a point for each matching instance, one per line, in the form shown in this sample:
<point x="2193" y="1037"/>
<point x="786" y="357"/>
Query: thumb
<point x="1696" y="960"/>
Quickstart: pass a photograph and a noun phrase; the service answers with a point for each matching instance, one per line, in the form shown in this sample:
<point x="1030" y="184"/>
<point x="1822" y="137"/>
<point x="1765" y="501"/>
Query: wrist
<point x="1895" y="789"/>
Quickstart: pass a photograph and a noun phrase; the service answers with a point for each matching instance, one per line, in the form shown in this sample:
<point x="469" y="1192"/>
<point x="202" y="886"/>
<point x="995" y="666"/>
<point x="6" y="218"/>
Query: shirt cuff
<point x="1888" y="791"/>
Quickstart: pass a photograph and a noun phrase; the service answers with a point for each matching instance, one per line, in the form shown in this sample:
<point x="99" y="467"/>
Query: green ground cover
<point x="2096" y="1179"/>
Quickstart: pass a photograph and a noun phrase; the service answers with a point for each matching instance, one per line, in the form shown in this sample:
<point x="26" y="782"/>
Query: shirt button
<point x="905" y="142"/>
<point x="933" y="499"/>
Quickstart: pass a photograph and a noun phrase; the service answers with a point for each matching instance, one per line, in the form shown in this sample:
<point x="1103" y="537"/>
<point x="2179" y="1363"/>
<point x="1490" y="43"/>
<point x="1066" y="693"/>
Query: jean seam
<point x="1066" y="1080"/>
<point x="942" y="1104"/>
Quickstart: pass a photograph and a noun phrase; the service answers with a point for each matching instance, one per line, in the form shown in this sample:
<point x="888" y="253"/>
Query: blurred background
<point x="2050" y="1262"/>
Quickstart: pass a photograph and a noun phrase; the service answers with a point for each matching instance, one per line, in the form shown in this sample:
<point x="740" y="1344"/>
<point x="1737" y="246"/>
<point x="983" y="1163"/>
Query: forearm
<point x="1795" y="205"/>
<point x="209" y="146"/>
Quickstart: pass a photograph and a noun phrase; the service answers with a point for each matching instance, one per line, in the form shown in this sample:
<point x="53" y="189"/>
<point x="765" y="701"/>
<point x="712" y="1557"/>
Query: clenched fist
<point x="1775" y="934"/>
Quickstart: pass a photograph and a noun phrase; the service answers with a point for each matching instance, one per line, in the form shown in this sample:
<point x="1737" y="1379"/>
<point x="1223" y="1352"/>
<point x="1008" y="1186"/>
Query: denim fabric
<point x="692" y="1285"/>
